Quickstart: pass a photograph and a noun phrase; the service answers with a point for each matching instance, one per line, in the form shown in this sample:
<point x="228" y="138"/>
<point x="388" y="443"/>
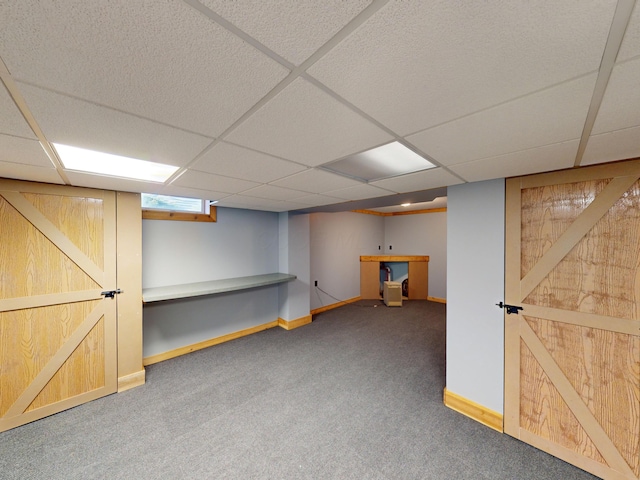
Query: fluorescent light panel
<point x="389" y="160"/>
<point x="90" y="161"/>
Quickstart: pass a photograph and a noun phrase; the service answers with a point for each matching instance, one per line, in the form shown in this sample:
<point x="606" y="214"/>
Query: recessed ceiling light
<point x="389" y="160"/>
<point x="405" y="204"/>
<point x="91" y="161"/>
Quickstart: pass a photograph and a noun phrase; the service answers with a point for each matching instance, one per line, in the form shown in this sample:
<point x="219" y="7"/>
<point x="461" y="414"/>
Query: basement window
<point x="167" y="207"/>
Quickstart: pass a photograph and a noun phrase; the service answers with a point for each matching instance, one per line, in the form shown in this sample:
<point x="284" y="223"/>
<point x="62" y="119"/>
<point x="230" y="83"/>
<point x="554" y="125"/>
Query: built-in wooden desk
<point x="213" y="287"/>
<point x="418" y="275"/>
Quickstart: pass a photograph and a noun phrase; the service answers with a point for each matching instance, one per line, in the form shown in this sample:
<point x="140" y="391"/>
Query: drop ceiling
<point x="251" y="99"/>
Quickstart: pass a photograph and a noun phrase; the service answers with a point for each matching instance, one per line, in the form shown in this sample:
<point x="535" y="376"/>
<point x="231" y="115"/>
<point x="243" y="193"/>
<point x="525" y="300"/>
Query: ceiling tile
<point x="81" y="124"/>
<point x="270" y="192"/>
<point x="611" y="146"/>
<point x="294" y="30"/>
<point x="631" y="42"/>
<point x="413" y="182"/>
<point x="317" y="200"/>
<point x="415" y="65"/>
<point x="159" y="59"/>
<point x="620" y="106"/>
<point x="11" y="121"/>
<point x="238" y="162"/>
<point x="191" y="192"/>
<point x="32" y="173"/>
<point x="111" y="183"/>
<point x="208" y="181"/>
<point x="306" y="125"/>
<point x="253" y="203"/>
<point x="551" y="116"/>
<point x="23" y="151"/>
<point x="316" y="181"/>
<point x="535" y="160"/>
<point x="359" y="192"/>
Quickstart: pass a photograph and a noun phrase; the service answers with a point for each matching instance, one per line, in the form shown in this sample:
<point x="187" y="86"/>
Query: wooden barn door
<point x="572" y="359"/>
<point x="57" y="332"/>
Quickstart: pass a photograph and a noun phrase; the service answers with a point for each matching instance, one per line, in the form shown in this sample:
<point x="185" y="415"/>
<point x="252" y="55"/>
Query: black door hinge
<point x="111" y="293"/>
<point x="510" y="308"/>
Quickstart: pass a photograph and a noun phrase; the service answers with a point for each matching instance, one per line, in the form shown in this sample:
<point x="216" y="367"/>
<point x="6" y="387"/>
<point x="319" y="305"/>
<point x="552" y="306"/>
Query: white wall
<point x="337" y="240"/>
<point x="422" y="234"/>
<point x="475" y="283"/>
<point x="240" y="243"/>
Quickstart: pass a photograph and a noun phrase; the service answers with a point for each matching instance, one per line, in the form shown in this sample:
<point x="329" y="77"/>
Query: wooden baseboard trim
<point x="291" y="324"/>
<point x="437" y="299"/>
<point x="471" y="409"/>
<point x="160" y="357"/>
<point x="130" y="381"/>
<point x="334" y="305"/>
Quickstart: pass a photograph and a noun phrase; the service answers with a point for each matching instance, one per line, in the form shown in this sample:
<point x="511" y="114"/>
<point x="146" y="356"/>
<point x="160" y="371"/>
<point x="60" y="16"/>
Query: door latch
<point x="111" y="293"/>
<point x="510" y="308"/>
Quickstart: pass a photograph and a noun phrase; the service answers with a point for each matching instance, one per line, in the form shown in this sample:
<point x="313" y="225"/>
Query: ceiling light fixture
<point x="390" y="160"/>
<point x="405" y="204"/>
<point x="91" y="161"/>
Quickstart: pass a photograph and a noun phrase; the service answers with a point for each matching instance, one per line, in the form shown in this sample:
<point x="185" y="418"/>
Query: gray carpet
<point x="356" y="394"/>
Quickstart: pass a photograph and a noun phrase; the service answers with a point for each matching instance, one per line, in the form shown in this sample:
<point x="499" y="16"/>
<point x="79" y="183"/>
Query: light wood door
<point x="572" y="359"/>
<point x="57" y="332"/>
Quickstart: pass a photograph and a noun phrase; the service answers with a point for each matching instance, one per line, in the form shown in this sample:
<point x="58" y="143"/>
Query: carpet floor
<point x="356" y="394"/>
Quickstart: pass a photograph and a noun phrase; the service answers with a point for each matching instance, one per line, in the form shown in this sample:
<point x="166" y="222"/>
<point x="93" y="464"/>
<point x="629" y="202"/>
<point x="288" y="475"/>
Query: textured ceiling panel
<point x="81" y="124"/>
<point x="29" y="172"/>
<point x="611" y="146"/>
<point x="208" y="181"/>
<point x="11" y="120"/>
<point x="359" y="192"/>
<point x="23" y="151"/>
<point x="233" y="161"/>
<point x="315" y="199"/>
<point x="158" y="59"/>
<point x="270" y="192"/>
<point x="544" y="118"/>
<point x="254" y="203"/>
<point x="294" y="30"/>
<point x="112" y="183"/>
<point x="193" y="192"/>
<point x="620" y="106"/>
<point x="316" y="181"/>
<point x="306" y="125"/>
<point x="433" y="178"/>
<point x="631" y="43"/>
<point x="543" y="159"/>
<point x="414" y="65"/>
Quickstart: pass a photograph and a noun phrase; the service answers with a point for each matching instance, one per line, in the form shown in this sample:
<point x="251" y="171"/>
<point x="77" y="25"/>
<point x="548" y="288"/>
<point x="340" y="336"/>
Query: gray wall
<point x="240" y="243"/>
<point x="294" y="258"/>
<point x="337" y="241"/>
<point x="424" y="234"/>
<point x="475" y="283"/>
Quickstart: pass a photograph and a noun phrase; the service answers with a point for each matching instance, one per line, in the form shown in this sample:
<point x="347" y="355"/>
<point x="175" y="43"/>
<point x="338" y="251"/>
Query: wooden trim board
<point x="437" y="299"/>
<point x="409" y="212"/>
<point x="471" y="409"/>
<point x="212" y="216"/>
<point x="334" y="305"/>
<point x="291" y="324"/>
<point x="132" y="380"/>
<point x="160" y="357"/>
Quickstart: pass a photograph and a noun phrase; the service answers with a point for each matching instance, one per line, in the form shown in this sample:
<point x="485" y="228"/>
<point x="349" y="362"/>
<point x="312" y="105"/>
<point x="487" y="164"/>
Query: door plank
<point x="586" y="418"/>
<point x="591" y="320"/>
<point x="35" y="301"/>
<point x="38" y="220"/>
<point x="578" y="229"/>
<point x="574" y="458"/>
<point x="53" y="365"/>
